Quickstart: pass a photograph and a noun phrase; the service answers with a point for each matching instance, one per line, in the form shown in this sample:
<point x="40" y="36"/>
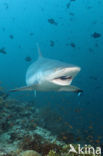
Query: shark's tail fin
<point x="39" y="51"/>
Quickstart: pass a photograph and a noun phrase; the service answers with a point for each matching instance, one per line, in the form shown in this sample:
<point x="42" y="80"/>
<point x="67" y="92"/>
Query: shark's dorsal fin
<point x="38" y="49"/>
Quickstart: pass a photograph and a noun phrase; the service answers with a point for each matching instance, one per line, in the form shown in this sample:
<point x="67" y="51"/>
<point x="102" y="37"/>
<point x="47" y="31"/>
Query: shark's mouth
<point x="62" y="80"/>
<point x="63" y="77"/>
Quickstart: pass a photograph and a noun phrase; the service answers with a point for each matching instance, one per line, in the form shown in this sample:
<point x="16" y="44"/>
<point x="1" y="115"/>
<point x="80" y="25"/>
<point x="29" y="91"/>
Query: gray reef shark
<point x="50" y="75"/>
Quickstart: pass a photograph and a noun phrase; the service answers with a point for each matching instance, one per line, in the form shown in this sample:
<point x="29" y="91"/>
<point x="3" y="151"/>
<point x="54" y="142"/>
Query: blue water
<point x="76" y="22"/>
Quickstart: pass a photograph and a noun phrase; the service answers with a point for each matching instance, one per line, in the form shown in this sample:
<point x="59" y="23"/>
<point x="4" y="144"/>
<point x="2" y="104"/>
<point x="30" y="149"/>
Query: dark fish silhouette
<point x="52" y="43"/>
<point x="72" y="44"/>
<point x="28" y="58"/>
<point x="68" y="5"/>
<point x="96" y="35"/>
<point x="11" y="37"/>
<point x="2" y="50"/>
<point x="52" y="21"/>
<point x="31" y="34"/>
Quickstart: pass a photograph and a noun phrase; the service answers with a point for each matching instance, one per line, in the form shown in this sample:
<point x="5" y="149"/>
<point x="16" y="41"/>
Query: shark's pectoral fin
<point x="25" y="88"/>
<point x="35" y="93"/>
<point x="70" y="89"/>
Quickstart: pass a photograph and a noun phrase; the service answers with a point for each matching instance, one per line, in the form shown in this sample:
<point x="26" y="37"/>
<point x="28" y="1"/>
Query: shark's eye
<point x="64" y="78"/>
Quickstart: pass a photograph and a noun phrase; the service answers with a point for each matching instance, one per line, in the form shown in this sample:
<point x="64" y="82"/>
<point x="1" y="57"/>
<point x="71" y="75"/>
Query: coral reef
<point x="19" y="130"/>
<point x="23" y="130"/>
<point x="29" y="153"/>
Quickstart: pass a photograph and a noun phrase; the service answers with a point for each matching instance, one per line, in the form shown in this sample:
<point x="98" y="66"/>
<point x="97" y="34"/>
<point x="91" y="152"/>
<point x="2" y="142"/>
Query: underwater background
<point x="70" y="31"/>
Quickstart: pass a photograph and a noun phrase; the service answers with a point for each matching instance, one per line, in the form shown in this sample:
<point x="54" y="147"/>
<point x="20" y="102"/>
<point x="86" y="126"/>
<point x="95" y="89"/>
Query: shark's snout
<point x="73" y="71"/>
<point x="70" y="72"/>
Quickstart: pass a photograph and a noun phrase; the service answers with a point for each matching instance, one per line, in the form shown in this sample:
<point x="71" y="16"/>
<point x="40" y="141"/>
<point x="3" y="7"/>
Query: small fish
<point x="93" y="77"/>
<point x="94" y="22"/>
<point x="68" y="5"/>
<point x="98" y="87"/>
<point x="11" y="36"/>
<point x="71" y="14"/>
<point x="52" y="21"/>
<point x="72" y="44"/>
<point x="19" y="46"/>
<point x="6" y="6"/>
<point x="28" y="58"/>
<point x="52" y="43"/>
<point x="2" y="50"/>
<point x="89" y="7"/>
<point x="91" y="50"/>
<point x="96" y="35"/>
<point x="96" y="45"/>
<point x="3" y="29"/>
<point x="31" y="34"/>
